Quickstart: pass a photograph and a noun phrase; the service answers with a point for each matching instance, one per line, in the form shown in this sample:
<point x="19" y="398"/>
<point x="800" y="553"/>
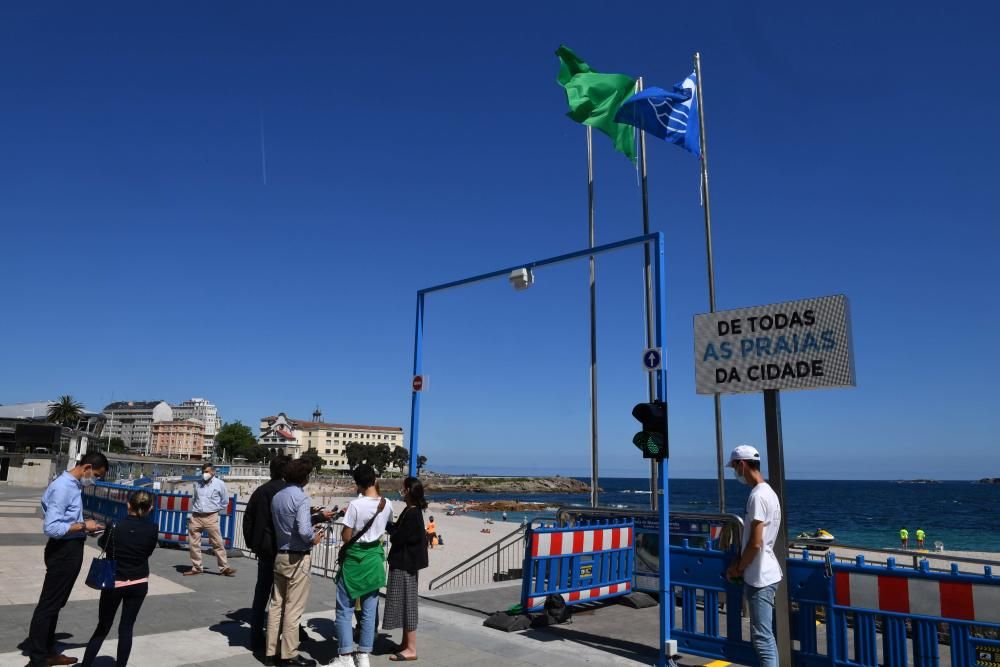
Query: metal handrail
<point x="492" y="550"/>
<point x="906" y="553"/>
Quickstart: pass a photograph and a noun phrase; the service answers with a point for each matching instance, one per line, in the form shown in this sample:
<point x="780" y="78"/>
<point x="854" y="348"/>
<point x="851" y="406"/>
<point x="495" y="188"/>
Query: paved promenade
<point x="203" y="620"/>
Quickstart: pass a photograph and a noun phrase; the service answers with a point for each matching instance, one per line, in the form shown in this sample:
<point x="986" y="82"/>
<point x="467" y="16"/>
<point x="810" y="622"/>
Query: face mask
<point x="740" y="478"/>
<point x="88" y="480"/>
<point x="206" y="476"/>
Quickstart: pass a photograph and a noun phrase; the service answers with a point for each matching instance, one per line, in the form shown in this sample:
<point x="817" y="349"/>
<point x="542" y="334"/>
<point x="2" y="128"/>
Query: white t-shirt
<point x="360" y="510"/>
<point x="763" y="505"/>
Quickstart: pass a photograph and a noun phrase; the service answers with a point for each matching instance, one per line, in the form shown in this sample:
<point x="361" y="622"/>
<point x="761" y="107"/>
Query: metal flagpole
<point x="648" y="276"/>
<point x="720" y="463"/>
<point x="594" y="487"/>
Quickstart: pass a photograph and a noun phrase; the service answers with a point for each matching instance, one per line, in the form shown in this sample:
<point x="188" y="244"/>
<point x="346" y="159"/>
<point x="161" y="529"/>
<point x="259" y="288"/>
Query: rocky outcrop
<point x="474" y="484"/>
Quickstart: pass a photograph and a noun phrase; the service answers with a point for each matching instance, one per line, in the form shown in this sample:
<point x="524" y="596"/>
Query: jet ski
<point x="815" y="536"/>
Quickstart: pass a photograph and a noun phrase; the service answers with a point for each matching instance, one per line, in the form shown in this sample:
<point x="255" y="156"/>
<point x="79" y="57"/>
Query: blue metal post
<point x="418" y="362"/>
<point x="663" y="467"/>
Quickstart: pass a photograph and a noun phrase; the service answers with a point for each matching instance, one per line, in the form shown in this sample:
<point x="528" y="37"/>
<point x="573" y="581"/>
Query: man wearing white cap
<point x="758" y="565"/>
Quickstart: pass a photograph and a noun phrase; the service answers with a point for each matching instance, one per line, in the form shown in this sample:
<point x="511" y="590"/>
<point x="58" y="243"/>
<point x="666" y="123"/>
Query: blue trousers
<point x="761" y="603"/>
<point x="345" y="612"/>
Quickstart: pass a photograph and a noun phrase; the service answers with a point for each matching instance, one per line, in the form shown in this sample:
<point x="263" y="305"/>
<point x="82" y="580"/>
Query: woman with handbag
<point x="129" y="544"/>
<point x="362" y="568"/>
<point x="407" y="556"/>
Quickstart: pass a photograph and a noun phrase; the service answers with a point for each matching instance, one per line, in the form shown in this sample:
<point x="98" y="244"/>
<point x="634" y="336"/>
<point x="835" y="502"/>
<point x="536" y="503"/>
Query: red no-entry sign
<point x="418" y="383"/>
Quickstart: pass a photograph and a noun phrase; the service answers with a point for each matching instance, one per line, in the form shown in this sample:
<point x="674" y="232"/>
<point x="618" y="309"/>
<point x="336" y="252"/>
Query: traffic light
<point x="652" y="439"/>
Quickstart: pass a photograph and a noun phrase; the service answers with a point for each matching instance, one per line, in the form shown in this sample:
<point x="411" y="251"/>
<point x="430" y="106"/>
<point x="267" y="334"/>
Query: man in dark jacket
<point x="258" y="532"/>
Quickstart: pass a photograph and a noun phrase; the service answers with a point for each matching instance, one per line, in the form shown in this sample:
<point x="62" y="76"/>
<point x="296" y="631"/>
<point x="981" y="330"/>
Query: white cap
<point x="744" y="453"/>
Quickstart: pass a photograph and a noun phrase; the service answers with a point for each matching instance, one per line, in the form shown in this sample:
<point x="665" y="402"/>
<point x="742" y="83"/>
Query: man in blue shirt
<point x="67" y="531"/>
<point x="295" y="537"/>
<point x="210" y="498"/>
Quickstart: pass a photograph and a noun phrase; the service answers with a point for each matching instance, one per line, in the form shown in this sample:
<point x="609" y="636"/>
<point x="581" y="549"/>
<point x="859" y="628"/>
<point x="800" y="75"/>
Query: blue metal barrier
<point x="860" y="602"/>
<point x="699" y="573"/>
<point x="844" y="615"/>
<point x="108" y="502"/>
<point x="584" y="563"/>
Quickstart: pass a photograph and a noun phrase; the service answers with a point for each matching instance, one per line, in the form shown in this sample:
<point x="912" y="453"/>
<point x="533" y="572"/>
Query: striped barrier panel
<point x="584" y="563"/>
<point x="893" y="616"/>
<point x="107" y="502"/>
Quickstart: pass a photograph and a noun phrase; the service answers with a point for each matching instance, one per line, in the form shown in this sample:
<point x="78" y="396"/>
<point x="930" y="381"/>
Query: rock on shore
<point x="475" y="484"/>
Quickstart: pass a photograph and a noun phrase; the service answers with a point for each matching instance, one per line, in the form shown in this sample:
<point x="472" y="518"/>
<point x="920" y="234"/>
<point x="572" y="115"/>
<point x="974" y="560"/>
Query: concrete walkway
<point x="203" y="620"/>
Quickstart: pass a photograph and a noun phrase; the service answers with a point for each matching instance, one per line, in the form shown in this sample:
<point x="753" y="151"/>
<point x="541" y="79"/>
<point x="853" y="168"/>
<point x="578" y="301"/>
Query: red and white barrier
<point x="910" y="595"/>
<point x="580" y="541"/>
<point x="588" y="594"/>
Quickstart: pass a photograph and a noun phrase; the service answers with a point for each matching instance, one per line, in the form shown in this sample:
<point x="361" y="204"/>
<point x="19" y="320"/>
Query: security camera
<point x="521" y="279"/>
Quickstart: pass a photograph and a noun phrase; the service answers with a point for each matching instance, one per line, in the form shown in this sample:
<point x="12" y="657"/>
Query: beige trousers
<point x="289" y="596"/>
<point x="208" y="523"/>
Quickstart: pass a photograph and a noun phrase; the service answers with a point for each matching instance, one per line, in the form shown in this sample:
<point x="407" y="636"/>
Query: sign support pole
<point x="418" y="363"/>
<point x="707" y="208"/>
<point x="776" y="478"/>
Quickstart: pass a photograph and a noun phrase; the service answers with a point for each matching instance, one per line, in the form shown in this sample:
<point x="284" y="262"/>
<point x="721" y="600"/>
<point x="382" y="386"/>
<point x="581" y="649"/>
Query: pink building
<point x="181" y="438"/>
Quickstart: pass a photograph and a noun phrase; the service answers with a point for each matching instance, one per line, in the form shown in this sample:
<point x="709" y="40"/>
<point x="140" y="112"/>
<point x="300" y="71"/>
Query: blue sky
<point x="852" y="151"/>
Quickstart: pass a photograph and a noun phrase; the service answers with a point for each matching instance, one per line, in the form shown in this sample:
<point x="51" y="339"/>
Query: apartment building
<point x="178" y="438"/>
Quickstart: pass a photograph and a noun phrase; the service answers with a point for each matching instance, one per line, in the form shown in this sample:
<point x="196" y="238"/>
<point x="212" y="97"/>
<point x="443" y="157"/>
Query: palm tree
<point x="65" y="411"/>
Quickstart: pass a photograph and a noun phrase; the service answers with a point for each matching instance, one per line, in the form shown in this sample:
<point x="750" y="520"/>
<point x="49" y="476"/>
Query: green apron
<point x="363" y="570"/>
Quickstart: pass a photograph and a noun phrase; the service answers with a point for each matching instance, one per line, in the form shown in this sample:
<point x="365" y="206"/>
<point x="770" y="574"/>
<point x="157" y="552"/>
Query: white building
<point x="205" y="412"/>
<point x="132" y="421"/>
<point x="281" y="434"/>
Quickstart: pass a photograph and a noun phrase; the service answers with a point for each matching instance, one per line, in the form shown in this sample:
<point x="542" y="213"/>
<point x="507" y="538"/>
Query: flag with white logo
<point x="669" y="115"/>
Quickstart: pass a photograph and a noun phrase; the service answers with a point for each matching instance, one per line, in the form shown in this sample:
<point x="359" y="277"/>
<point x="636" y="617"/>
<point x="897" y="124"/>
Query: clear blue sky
<point x="853" y="150"/>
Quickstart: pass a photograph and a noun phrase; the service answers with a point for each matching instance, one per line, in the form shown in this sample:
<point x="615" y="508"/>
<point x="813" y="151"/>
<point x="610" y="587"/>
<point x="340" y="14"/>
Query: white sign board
<point x="794" y="345"/>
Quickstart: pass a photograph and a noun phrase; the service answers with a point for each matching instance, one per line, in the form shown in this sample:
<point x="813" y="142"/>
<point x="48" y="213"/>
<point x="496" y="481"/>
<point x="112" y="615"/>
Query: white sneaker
<point x="361" y="660"/>
<point x="342" y="661"/>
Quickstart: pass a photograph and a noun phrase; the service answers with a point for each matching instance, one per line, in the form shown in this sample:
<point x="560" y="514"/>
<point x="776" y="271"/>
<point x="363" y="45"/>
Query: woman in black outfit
<point x="407" y="556"/>
<point x="129" y="542"/>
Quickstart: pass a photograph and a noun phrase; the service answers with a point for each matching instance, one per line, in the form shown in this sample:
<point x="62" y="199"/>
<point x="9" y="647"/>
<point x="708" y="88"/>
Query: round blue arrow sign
<point x="651" y="359"/>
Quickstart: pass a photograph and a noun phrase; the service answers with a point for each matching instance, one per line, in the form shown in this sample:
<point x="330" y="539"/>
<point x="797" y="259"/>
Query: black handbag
<point x="101" y="575"/>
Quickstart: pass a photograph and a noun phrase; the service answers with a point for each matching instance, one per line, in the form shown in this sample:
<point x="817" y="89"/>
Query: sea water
<point x="961" y="515"/>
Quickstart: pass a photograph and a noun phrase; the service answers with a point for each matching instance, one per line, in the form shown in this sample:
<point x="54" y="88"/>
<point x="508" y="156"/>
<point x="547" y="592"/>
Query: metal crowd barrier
<point x="857" y="603"/>
<point x="585" y="563"/>
<point x="109" y="502"/>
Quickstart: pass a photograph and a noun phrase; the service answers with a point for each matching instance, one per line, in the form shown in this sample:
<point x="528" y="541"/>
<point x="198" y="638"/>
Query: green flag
<point x="594" y="98"/>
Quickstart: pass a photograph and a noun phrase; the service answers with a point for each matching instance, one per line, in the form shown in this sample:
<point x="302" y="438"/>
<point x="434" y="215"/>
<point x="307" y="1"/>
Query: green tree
<point x="65" y="411"/>
<point x="236" y="439"/>
<point x="381" y="458"/>
<point x="116" y="445"/>
<point x="400" y="458"/>
<point x="356" y="454"/>
<point x="421" y="462"/>
<point x="314" y="458"/>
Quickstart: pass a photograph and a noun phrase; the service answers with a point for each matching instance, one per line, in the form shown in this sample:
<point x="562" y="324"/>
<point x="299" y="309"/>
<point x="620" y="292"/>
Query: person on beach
<point x="362" y="571"/>
<point x="294" y="538"/>
<point x="904" y="538"/>
<point x="757" y="565"/>
<point x="209" y="498"/>
<point x="62" y="504"/>
<point x="258" y="533"/>
<point x="407" y="556"/>
<point x="431" y="533"/>
<point x="920" y="538"/>
<point x="129" y="543"/>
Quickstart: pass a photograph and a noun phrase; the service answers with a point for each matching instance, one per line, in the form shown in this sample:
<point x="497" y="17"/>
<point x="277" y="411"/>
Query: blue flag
<point x="669" y="115"/>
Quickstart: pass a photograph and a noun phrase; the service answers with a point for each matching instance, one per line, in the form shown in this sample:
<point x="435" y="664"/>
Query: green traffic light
<point x="651" y="444"/>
